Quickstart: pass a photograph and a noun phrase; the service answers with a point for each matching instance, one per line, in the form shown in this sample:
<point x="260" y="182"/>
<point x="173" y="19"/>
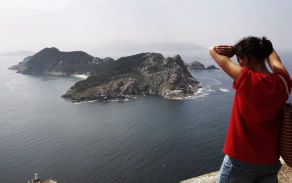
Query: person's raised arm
<point x="222" y="54"/>
<point x="275" y="62"/>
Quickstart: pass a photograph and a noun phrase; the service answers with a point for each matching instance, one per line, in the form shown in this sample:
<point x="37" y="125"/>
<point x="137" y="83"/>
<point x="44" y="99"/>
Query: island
<point x="196" y="65"/>
<point x="54" y="62"/>
<point x="109" y="79"/>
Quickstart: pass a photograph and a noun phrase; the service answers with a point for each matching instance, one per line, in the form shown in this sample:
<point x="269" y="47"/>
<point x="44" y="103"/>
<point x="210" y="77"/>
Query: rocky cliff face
<point x="52" y="61"/>
<point x="142" y="74"/>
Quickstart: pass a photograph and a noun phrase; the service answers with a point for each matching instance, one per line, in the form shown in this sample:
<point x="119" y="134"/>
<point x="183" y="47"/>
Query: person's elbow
<point x="211" y="49"/>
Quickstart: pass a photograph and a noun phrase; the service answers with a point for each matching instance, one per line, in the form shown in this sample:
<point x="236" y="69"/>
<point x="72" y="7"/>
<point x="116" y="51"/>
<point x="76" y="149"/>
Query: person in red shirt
<point x="252" y="142"/>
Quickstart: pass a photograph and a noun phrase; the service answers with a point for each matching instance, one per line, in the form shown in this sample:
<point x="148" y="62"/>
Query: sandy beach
<point x="81" y="76"/>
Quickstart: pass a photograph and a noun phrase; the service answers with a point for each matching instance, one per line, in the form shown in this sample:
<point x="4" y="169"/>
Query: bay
<point x="147" y="139"/>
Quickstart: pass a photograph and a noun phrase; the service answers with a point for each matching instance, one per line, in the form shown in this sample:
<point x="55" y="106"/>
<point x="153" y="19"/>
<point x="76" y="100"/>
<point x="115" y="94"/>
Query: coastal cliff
<point x="141" y="74"/>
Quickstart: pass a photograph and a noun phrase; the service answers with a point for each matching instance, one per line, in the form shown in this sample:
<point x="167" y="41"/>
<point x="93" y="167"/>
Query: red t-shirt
<point x="253" y="134"/>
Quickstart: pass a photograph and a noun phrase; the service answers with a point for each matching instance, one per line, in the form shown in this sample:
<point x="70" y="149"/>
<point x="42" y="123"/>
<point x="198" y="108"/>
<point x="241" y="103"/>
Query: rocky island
<point x="142" y="74"/>
<point x="127" y="77"/>
<point x="54" y="62"/>
<point x="196" y="65"/>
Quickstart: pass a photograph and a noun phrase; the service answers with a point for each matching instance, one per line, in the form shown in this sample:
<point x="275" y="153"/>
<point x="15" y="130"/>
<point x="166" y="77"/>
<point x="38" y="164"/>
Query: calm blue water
<point x="148" y="139"/>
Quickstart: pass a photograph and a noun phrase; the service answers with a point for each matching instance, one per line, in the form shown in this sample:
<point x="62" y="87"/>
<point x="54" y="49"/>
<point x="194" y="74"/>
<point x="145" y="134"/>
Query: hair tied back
<point x="266" y="47"/>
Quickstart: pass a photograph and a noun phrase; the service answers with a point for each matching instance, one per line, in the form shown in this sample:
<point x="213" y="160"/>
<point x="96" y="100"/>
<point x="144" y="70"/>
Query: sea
<point x="148" y="139"/>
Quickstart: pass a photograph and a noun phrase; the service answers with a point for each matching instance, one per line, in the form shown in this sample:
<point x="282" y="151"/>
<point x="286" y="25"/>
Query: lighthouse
<point x="35" y="179"/>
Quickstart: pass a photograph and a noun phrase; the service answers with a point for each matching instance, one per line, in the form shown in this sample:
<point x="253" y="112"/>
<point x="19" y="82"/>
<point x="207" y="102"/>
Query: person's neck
<point x="260" y="68"/>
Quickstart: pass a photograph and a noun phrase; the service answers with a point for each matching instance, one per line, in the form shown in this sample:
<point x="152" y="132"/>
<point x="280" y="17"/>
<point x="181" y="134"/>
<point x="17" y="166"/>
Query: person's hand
<point x="225" y="50"/>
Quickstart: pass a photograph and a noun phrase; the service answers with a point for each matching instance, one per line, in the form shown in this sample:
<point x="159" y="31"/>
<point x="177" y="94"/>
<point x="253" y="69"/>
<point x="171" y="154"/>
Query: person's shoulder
<point x="244" y="75"/>
<point x="282" y="73"/>
<point x="286" y="76"/>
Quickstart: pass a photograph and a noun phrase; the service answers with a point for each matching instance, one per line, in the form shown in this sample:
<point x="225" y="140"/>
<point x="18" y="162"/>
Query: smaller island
<point x="196" y="65"/>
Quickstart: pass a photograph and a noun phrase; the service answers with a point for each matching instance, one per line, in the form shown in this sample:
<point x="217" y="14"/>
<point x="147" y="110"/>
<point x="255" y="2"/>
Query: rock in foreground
<point x="284" y="176"/>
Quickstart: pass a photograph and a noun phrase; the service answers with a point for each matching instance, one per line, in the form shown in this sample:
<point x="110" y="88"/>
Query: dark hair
<point x="254" y="46"/>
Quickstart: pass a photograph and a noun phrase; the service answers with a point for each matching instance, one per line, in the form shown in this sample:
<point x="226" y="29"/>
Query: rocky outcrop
<point x="142" y="74"/>
<point x="284" y="176"/>
<point x="195" y="65"/>
<point x="211" y="67"/>
<point x="52" y="61"/>
<point x="36" y="179"/>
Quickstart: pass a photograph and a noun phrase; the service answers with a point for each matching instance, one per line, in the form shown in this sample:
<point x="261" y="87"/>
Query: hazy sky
<point x="90" y="24"/>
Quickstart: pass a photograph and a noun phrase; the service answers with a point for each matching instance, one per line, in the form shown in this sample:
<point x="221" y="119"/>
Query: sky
<point x="98" y="26"/>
